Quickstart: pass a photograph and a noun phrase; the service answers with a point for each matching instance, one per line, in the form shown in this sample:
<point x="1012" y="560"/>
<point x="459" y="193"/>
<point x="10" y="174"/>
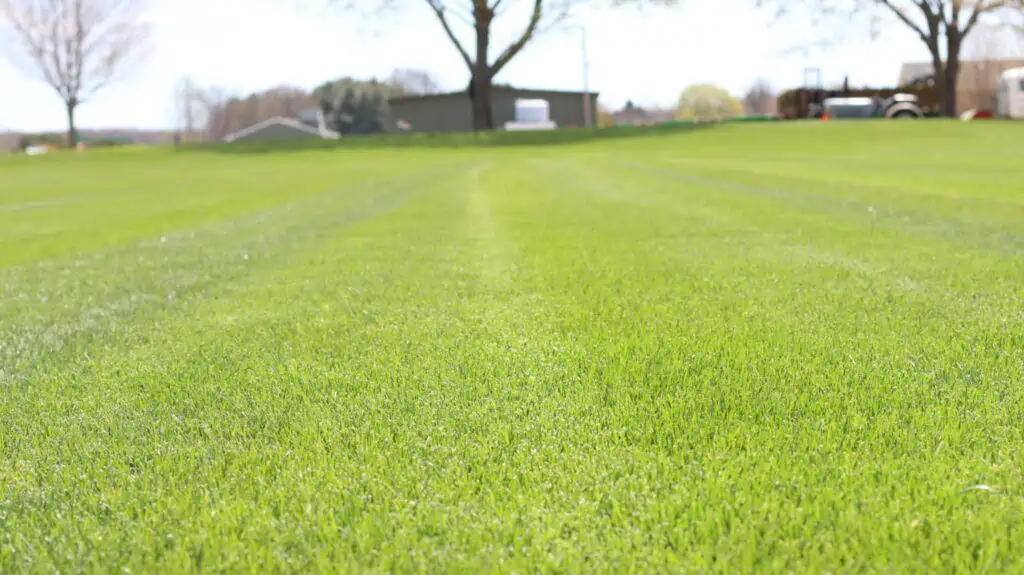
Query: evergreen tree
<point x="345" y="112"/>
<point x="368" y="112"/>
<point x="354" y="106"/>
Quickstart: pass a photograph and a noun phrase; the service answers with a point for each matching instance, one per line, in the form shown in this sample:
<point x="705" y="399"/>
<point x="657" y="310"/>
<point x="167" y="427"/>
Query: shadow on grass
<point x="496" y="139"/>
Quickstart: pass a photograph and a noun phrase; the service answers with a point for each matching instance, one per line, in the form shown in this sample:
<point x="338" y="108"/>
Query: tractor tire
<point x="904" y="112"/>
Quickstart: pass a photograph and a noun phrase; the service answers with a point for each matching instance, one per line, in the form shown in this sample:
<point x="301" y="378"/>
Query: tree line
<point x="942" y="25"/>
<point x="79" y="46"/>
<point x="350" y="105"/>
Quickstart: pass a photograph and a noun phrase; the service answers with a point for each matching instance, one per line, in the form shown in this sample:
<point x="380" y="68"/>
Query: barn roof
<point x="496" y="88"/>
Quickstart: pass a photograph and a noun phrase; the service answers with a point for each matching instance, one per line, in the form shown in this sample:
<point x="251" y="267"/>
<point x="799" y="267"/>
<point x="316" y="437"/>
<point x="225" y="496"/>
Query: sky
<point x="647" y="56"/>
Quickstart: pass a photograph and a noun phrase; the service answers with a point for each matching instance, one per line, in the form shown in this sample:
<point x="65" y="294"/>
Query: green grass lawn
<point x="792" y="347"/>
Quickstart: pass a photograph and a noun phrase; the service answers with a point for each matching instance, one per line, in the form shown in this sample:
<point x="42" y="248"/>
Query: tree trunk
<point x="940" y="83"/>
<point x="952" y="72"/>
<point x="72" y="131"/>
<point x="949" y="88"/>
<point x="938" y="70"/>
<point x="932" y="39"/>
<point x="483" y="114"/>
<point x="482" y="80"/>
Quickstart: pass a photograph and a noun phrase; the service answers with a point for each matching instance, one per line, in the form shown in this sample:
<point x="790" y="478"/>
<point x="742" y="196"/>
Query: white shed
<point x="1010" y="94"/>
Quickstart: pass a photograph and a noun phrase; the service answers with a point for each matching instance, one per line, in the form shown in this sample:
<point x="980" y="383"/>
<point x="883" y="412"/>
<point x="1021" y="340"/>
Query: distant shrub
<point x="707" y="103"/>
<point x="104" y="143"/>
<point x="497" y="138"/>
<point x="53" y="140"/>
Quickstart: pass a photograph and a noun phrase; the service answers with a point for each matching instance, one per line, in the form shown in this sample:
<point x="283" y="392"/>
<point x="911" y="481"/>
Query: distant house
<point x="453" y="111"/>
<point x="309" y="124"/>
<point x="630" y="115"/>
<point x="976" y="85"/>
<point x="633" y="115"/>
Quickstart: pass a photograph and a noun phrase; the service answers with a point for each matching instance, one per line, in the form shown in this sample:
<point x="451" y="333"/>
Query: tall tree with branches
<point x="483" y="61"/>
<point x="76" y="46"/>
<point x="942" y="25"/>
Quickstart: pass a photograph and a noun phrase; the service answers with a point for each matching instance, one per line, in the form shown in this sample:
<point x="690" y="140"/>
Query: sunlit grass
<point x="792" y="348"/>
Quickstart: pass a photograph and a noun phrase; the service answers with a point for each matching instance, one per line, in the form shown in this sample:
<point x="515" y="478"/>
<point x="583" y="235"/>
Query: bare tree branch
<point x="75" y="46"/>
<point x="462" y="14"/>
<point x="480" y="15"/>
<point x="981" y="7"/>
<point x="405" y="81"/>
<point x="438" y="7"/>
<point x="902" y="15"/>
<point x="942" y="25"/>
<point x="514" y="48"/>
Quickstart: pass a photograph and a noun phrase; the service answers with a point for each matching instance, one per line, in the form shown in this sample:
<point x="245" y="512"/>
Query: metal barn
<point x="452" y="112"/>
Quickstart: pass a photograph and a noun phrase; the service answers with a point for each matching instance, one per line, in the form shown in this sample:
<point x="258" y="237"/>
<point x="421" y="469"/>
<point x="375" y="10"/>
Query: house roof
<point x="496" y="88"/>
<point x="311" y="116"/>
<point x="281" y="120"/>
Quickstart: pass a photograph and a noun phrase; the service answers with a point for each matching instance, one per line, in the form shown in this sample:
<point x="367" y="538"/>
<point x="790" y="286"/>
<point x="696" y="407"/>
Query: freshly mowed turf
<point x="794" y="347"/>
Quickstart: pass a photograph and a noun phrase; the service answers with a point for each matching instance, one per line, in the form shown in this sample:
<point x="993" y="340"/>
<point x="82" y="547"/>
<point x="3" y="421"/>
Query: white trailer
<point x="1010" y="94"/>
<point x="531" y="115"/>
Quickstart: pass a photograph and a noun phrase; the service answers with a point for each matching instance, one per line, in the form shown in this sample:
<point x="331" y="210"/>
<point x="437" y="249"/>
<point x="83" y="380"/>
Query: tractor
<point x="814" y="101"/>
<point x="899" y="106"/>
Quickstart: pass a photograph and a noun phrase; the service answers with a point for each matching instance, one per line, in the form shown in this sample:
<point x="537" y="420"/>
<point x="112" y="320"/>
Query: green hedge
<point x="55" y="140"/>
<point x="497" y="138"/>
<point x="750" y="119"/>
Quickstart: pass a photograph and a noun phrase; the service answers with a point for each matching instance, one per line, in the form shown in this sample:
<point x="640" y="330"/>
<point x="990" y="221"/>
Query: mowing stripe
<point x="957" y="233"/>
<point x="44" y="310"/>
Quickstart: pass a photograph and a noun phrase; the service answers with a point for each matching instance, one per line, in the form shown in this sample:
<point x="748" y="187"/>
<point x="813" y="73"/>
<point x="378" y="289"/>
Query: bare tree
<point x="760" y="98"/>
<point x="75" y="46"/>
<point x="190" y="107"/>
<point x="224" y="115"/>
<point x="478" y="17"/>
<point x="942" y="25"/>
<point x="412" y="81"/>
<point x="214" y="101"/>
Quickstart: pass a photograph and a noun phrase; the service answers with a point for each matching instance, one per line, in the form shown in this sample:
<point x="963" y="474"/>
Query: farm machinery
<point x="845" y="103"/>
<point x="898" y="106"/>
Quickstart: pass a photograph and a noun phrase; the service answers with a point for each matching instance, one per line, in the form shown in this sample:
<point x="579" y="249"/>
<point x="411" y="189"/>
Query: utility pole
<point x="586" y="85"/>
